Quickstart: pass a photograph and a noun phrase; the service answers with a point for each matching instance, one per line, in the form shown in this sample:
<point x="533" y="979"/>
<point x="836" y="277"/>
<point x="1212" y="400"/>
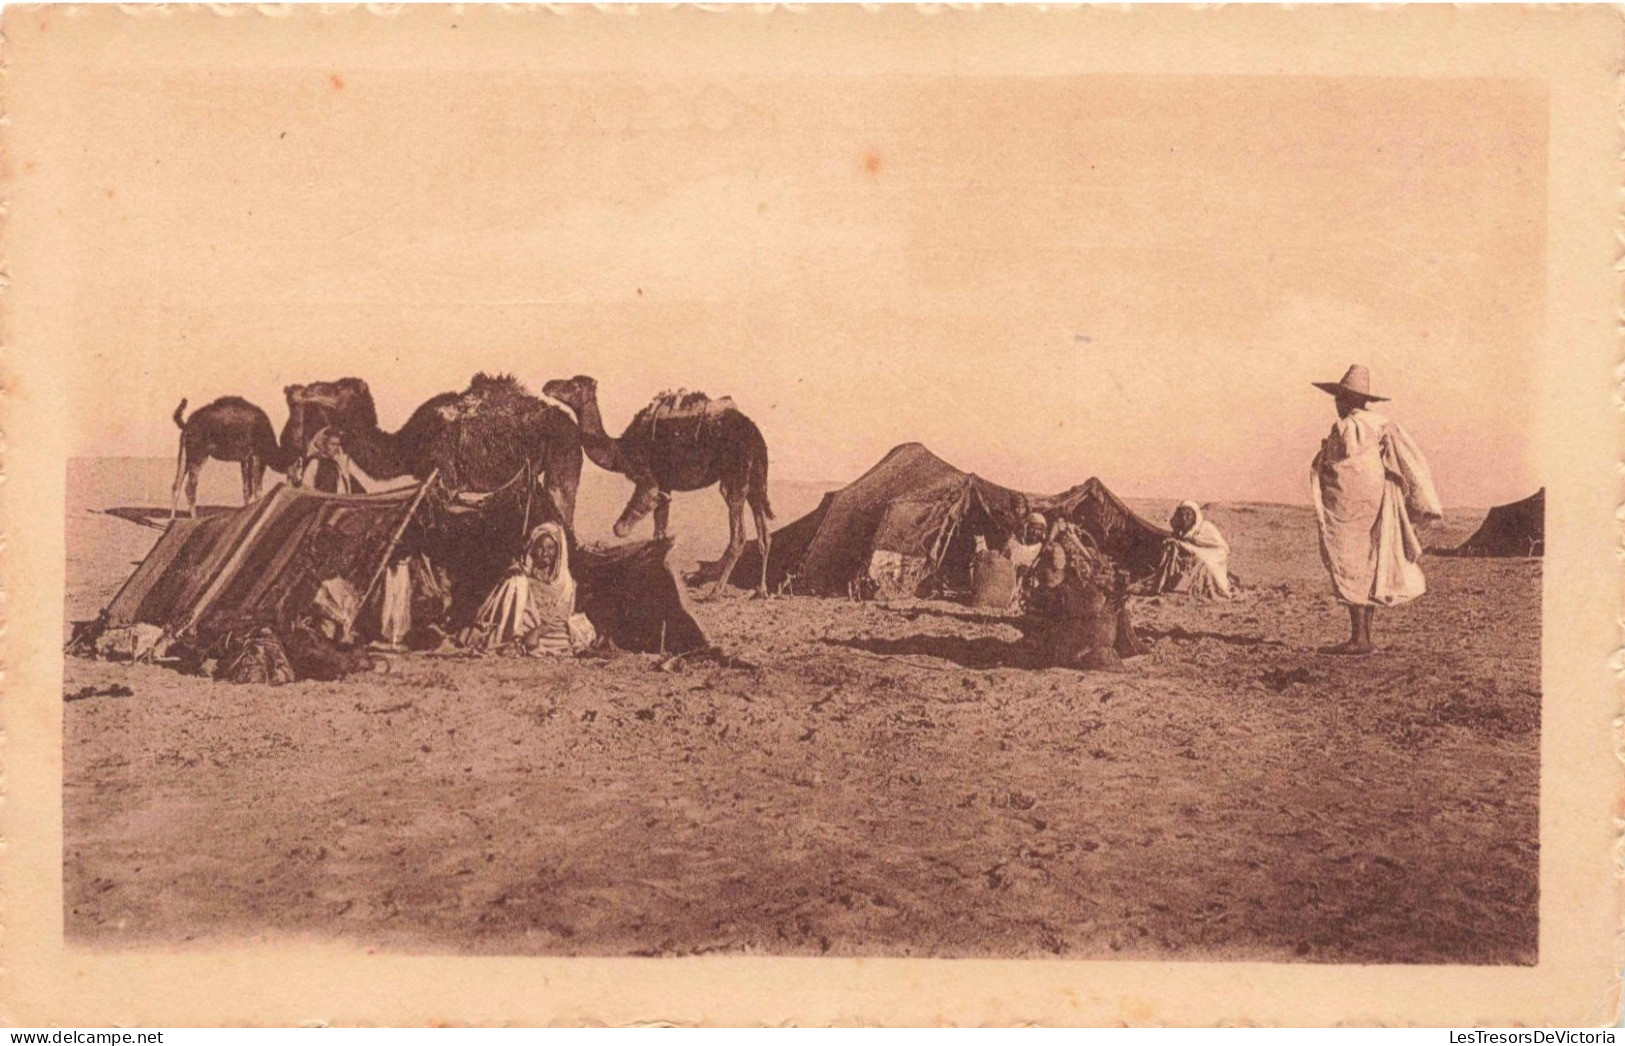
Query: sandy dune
<point x="886" y="780"/>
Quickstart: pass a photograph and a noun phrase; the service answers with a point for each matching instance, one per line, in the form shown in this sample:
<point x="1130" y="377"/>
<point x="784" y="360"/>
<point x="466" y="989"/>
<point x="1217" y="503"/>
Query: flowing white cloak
<point x="1367" y="481"/>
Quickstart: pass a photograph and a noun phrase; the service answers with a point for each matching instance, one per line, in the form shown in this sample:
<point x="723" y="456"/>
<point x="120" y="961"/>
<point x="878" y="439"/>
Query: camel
<point x="336" y="425"/>
<point x="229" y="429"/>
<point x="680" y="442"/>
<point x="345" y="403"/>
<point x="1076" y="611"/>
<point x="494" y="429"/>
<point x="479" y="439"/>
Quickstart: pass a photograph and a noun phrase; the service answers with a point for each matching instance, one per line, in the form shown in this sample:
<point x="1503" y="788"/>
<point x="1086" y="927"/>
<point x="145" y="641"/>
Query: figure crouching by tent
<point x="1195" y="557"/>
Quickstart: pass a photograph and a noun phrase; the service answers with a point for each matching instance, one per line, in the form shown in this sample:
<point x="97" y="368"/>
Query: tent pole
<point x="395" y="539"/>
<point x="530" y="489"/>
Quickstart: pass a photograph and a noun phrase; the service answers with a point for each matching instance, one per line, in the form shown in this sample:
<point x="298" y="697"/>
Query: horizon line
<point x="834" y="485"/>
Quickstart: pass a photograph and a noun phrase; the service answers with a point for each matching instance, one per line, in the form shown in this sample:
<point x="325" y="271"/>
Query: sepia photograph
<point x="756" y="494"/>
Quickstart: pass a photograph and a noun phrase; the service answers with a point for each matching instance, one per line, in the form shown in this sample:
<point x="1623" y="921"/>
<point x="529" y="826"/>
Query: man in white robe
<point x="1367" y="483"/>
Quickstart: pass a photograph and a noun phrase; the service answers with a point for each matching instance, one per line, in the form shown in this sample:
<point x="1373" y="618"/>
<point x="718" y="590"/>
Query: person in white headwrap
<point x="1367" y="484"/>
<point x="1196" y="558"/>
<point x="531" y="610"/>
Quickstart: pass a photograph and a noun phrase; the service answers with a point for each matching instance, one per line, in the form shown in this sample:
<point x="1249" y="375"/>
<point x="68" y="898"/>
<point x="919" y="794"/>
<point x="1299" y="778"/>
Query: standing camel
<point x="680" y="442"/>
<point x="229" y="429"/>
<point x="345" y="403"/>
<point x="335" y="423"/>
<point x="479" y="439"/>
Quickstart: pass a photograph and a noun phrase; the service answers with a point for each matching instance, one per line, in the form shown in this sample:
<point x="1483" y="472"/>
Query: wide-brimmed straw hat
<point x="1356" y="382"/>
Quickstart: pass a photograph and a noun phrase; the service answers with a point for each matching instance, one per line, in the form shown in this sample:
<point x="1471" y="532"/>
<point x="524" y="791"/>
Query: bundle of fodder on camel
<point x="289" y="563"/>
<point x="909" y="527"/>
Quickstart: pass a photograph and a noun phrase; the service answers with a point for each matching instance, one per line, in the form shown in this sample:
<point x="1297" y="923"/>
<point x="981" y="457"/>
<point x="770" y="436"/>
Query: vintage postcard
<point x="827" y="515"/>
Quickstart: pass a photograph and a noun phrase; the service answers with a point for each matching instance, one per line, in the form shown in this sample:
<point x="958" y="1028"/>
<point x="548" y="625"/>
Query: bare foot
<point x="760" y="593"/>
<point x="1348" y="649"/>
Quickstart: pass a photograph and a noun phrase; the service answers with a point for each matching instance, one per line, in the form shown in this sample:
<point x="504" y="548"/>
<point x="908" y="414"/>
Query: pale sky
<point x="1041" y="278"/>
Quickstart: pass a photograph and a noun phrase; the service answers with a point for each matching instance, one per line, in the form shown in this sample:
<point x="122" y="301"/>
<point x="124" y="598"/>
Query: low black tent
<point x="263" y="564"/>
<point x="908" y="527"/>
<point x="1518" y="529"/>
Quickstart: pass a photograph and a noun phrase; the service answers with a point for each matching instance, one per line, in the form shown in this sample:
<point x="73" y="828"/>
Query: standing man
<point x="1366" y="483"/>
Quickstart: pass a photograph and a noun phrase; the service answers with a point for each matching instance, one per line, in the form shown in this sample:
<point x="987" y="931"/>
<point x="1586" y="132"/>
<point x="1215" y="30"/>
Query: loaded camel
<point x="229" y="429"/>
<point x="478" y="439"/>
<point x="680" y="442"/>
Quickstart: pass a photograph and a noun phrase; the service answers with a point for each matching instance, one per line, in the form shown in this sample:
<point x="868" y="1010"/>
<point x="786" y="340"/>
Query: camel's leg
<point x="259" y="477"/>
<point x="662" y="514"/>
<point x="563" y="500"/>
<point x="246" y="467"/>
<point x="180" y="480"/>
<point x="736" y="540"/>
<point x="764" y="542"/>
<point x="562" y="479"/>
<point x="192" y="470"/>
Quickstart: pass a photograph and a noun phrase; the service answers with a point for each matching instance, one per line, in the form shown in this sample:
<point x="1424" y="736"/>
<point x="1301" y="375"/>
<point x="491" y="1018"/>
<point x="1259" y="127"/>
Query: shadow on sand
<point x="980" y="652"/>
<point x="1223" y="637"/>
<point x="158" y="518"/>
<point x="974" y="617"/>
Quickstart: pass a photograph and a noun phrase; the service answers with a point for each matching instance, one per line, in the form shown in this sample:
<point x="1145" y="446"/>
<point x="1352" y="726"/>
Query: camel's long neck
<point x="601" y="449"/>
<point x="375" y="452"/>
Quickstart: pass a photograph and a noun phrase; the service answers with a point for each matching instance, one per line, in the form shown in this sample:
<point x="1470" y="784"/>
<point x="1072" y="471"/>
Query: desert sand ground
<point x="885" y="780"/>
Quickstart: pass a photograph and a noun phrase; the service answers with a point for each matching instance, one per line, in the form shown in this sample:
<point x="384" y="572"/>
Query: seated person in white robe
<point x="1196" y="559"/>
<point x="530" y="612"/>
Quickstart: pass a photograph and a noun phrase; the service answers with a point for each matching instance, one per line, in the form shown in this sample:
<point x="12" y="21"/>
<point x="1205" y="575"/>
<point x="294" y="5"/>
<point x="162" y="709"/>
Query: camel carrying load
<point x="681" y="441"/>
<point x="1075" y="607"/>
<point x="690" y="411"/>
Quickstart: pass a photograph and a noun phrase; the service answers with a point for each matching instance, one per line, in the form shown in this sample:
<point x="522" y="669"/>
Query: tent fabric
<point x="260" y="563"/>
<point x="630" y="593"/>
<point x="1132" y="543"/>
<point x="264" y="564"/>
<point x="1518" y="529"/>
<point x="908" y="527"/>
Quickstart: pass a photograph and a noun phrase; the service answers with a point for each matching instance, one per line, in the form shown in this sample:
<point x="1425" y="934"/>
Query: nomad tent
<point x="908" y="527"/>
<point x="264" y="564"/>
<point x="1518" y="529"/>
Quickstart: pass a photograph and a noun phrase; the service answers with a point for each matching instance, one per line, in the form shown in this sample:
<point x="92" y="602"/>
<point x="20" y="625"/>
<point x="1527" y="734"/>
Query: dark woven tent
<point x="1518" y="529"/>
<point x="263" y="564"/>
<point x="1134" y="544"/>
<point x="909" y="525"/>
